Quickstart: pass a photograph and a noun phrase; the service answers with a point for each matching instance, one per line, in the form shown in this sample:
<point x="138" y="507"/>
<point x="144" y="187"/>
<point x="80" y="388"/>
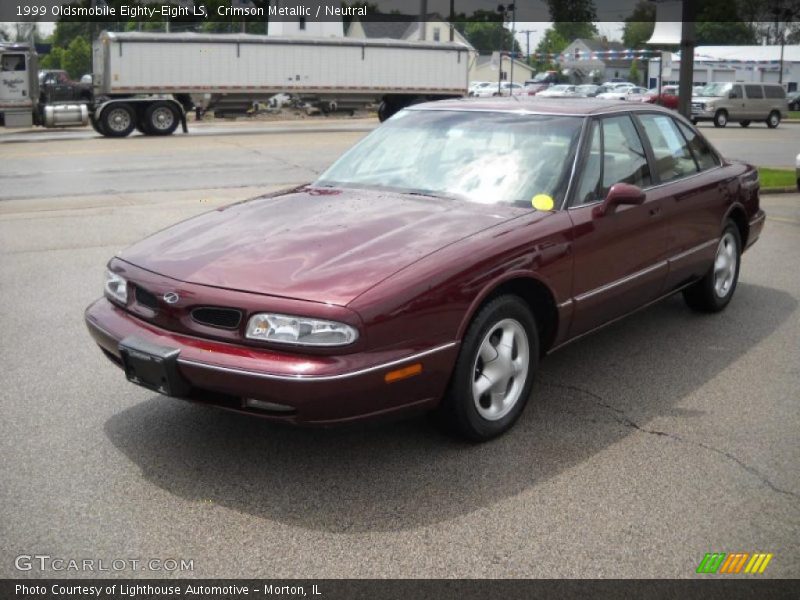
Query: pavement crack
<point x="620" y="417"/>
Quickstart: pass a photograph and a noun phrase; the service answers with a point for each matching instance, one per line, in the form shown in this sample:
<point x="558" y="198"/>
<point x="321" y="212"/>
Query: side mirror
<point x="620" y="193"/>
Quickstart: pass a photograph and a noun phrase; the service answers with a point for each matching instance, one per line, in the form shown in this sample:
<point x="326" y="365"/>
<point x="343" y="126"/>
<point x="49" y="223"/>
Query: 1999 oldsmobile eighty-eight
<point x="433" y="264"/>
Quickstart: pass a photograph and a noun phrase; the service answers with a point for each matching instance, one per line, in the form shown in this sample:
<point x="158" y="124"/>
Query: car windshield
<point x="715" y="90"/>
<point x="482" y="157"/>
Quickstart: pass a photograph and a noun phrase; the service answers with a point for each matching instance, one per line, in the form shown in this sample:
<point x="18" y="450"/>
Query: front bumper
<point x="318" y="389"/>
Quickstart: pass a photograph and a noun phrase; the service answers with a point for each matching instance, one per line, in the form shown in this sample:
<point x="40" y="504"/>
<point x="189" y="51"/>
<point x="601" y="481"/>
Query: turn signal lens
<point x="403" y="373"/>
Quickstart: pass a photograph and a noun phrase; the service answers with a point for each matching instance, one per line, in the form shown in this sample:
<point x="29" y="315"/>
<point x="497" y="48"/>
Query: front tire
<point x="494" y="371"/>
<point x="715" y="290"/>
<point x="720" y="118"/>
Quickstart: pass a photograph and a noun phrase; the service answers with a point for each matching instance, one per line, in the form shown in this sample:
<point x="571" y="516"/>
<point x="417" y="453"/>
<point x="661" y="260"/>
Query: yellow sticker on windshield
<point x="542" y="202"/>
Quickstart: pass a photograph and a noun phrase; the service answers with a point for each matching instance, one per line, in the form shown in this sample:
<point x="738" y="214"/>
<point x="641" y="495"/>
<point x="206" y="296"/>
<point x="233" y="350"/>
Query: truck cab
<point x="17" y="86"/>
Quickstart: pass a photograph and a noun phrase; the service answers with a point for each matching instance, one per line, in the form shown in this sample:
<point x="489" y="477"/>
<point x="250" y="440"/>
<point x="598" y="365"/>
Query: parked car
<point x="797" y="170"/>
<point x="479" y="84"/>
<point x="558" y="91"/>
<point x="740" y="102"/>
<point x="588" y="90"/>
<point x="483" y="86"/>
<point x="506" y="88"/>
<point x="531" y="89"/>
<point x="793" y="100"/>
<point x="433" y="264"/>
<point x="624" y="93"/>
<point x="668" y="97"/>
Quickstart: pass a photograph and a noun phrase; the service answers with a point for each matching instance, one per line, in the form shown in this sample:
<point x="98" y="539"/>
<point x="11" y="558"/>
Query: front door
<point x="619" y="257"/>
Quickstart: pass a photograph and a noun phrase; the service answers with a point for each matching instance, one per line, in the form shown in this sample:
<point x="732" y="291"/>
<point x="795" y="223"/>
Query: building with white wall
<point x="737" y="63"/>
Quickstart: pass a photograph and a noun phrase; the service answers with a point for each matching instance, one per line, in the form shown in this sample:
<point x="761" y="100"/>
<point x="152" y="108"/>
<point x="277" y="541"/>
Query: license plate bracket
<point x="152" y="366"/>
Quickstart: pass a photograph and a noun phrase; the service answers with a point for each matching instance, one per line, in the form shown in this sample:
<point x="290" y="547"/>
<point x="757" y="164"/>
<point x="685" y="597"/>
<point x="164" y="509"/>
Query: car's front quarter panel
<point x="433" y="300"/>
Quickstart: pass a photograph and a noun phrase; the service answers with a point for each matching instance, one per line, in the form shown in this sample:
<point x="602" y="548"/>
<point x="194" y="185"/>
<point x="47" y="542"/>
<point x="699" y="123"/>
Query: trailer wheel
<point x="118" y="120"/>
<point x="160" y="118"/>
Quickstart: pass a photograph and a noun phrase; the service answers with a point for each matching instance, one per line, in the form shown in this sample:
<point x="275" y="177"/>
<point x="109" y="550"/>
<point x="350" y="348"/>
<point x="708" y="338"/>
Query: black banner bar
<point x="732" y="588"/>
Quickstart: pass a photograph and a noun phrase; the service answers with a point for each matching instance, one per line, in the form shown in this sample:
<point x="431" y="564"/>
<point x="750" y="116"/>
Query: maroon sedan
<point x="433" y="264"/>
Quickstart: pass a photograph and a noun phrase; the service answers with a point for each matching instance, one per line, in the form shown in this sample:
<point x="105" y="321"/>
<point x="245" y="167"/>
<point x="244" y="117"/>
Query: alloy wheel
<point x="725" y="265"/>
<point x="500" y="369"/>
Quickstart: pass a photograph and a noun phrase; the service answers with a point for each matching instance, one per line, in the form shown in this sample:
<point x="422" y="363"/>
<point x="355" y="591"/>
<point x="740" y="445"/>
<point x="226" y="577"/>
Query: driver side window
<point x="616" y="155"/>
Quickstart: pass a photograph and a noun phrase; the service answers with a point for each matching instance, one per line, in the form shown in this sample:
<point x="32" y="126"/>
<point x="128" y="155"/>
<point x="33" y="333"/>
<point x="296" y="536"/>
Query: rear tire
<point x="118" y="120"/>
<point x="721" y="118"/>
<point x="715" y="290"/>
<point x="745" y="123"/>
<point x="494" y="372"/>
<point x="160" y="118"/>
<point x="774" y="119"/>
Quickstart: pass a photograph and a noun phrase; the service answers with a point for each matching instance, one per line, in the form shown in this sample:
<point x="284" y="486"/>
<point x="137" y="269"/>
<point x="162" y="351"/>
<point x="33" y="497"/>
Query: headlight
<point x="116" y="287"/>
<point x="288" y="329"/>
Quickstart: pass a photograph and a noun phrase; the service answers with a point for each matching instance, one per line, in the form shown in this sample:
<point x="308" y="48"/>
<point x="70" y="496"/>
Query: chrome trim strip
<point x="694" y="249"/>
<point x="608" y="286"/>
<point x="564" y="304"/>
<point x="315" y="378"/>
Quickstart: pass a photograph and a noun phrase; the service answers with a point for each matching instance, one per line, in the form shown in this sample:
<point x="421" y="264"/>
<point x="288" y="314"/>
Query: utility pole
<point x="423" y="14"/>
<point x="687" y="60"/>
<point x="452" y="20"/>
<point x="528" y="33"/>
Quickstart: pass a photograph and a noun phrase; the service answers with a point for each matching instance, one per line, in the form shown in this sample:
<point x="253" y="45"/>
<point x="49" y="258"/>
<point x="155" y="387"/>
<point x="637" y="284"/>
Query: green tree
<point x="77" y="59"/>
<point x="551" y="43"/>
<point x="573" y="19"/>
<point x="53" y="60"/>
<point x="633" y="75"/>
<point x="639" y="25"/>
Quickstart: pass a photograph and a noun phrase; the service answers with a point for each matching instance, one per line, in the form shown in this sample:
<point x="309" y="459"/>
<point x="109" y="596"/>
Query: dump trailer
<point x="150" y="80"/>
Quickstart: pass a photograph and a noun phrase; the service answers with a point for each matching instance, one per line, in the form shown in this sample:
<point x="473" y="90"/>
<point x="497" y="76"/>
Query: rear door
<point x="619" y="257"/>
<point x="693" y="188"/>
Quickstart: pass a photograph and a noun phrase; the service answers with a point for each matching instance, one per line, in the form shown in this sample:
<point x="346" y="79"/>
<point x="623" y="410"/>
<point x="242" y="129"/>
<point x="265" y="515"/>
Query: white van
<point x="741" y="102"/>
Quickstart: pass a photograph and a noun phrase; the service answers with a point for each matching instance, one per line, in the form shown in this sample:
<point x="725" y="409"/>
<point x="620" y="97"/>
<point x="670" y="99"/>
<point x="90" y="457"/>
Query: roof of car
<point x="537" y="105"/>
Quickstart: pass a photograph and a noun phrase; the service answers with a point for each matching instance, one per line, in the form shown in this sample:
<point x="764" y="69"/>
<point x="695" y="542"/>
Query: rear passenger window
<point x="774" y="91"/>
<point x="705" y="157"/>
<point x="616" y="155"/>
<point x="673" y="158"/>
<point x="754" y="91"/>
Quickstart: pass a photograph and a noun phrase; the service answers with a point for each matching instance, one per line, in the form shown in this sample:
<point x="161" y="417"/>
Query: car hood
<point x="317" y="244"/>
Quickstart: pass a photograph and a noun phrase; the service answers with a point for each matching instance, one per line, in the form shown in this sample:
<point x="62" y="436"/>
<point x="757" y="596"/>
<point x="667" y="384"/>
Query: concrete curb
<point x="780" y="190"/>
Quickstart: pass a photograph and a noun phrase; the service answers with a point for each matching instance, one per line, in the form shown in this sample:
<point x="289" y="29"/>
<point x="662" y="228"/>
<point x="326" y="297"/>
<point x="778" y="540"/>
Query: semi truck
<point x="150" y="81"/>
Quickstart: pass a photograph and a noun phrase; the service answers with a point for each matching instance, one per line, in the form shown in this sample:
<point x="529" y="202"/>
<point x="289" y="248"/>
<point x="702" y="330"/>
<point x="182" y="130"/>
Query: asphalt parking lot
<point x="660" y="438"/>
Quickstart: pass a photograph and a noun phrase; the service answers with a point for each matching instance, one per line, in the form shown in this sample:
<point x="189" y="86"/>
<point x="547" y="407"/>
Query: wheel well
<point x="541" y="301"/>
<point x="740" y="219"/>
